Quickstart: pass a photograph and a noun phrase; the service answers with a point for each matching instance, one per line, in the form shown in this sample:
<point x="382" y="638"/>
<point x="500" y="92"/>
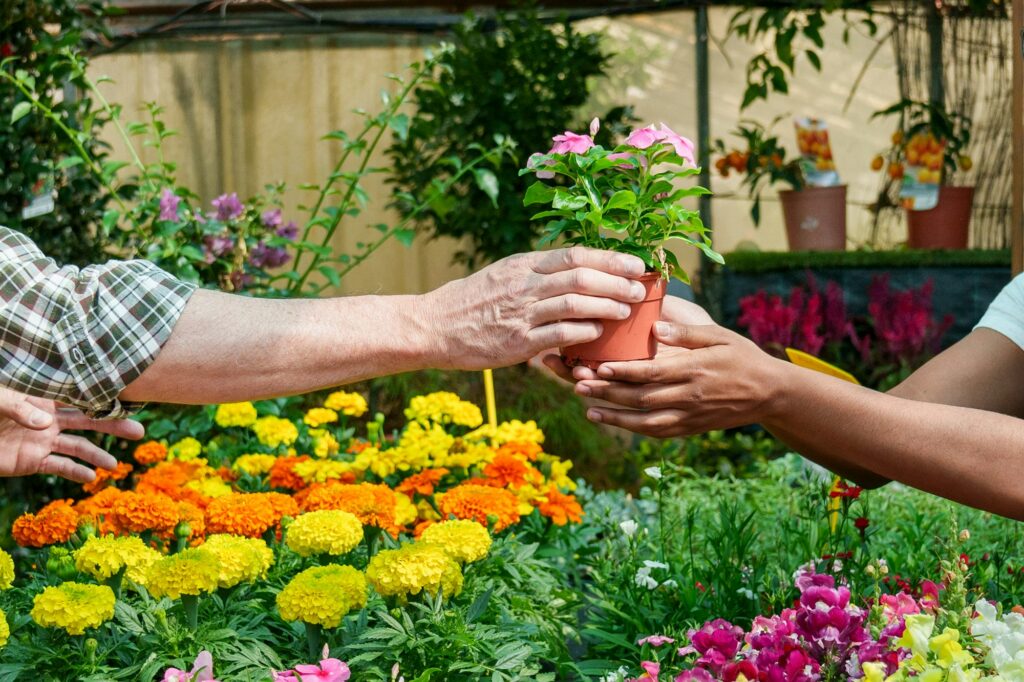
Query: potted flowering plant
<point x="928" y="147"/>
<point x="815" y="217"/>
<point x="624" y="199"/>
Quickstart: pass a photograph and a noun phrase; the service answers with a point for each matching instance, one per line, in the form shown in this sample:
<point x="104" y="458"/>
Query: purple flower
<point x="216" y="246"/>
<point x="169" y="202"/>
<point x="264" y="256"/>
<point x="228" y="207"/>
<point x="289" y="231"/>
<point x="272" y="219"/>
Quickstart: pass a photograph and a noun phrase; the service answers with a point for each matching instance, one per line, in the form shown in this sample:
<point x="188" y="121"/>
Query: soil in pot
<point x="946" y="226"/>
<point x="629" y="339"/>
<point x="815" y="218"/>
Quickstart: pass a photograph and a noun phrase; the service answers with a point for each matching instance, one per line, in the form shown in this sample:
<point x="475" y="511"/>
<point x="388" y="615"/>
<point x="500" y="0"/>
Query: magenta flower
<point x="215" y="246"/>
<point x="289" y="231"/>
<point x="169" y="202"/>
<point x="202" y="671"/>
<point x="272" y="219"/>
<point x="263" y="256"/>
<point x="571" y="143"/>
<point x="896" y="606"/>
<point x="228" y="207"/>
<point x="329" y="670"/>
<point x="655" y="640"/>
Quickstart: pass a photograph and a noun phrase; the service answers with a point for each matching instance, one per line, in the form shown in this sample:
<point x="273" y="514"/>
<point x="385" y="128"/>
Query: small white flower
<point x="629" y="527"/>
<point x="837" y="566"/>
<point x="671" y="584"/>
<point x="655" y="564"/>
<point x="745" y="592"/>
<point x="643" y="579"/>
<point x="653" y="472"/>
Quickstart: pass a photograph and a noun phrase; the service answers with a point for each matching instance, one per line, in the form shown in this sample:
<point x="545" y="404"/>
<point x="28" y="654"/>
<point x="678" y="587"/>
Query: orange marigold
<point x="422" y="526"/>
<point x="282" y="474"/>
<point x="283" y="505"/>
<point x="507" y="470"/>
<point x="54" y="523"/>
<point x="138" y="513"/>
<point x="170" y="479"/>
<point x="374" y="505"/>
<point x="151" y="452"/>
<point x="357" y="446"/>
<point x="422" y="483"/>
<point x="195" y="518"/>
<point x="479" y="502"/>
<point x="523" y="450"/>
<point x="559" y="507"/>
<point x="104" y="477"/>
<point x="246" y="514"/>
<point x="99" y="509"/>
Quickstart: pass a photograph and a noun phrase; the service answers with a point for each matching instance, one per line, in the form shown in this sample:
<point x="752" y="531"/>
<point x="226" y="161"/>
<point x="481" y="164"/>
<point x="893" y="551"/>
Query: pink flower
<point x="169" y="203"/>
<point x="202" y="671"/>
<point x="595" y="126"/>
<point x="642" y="138"/>
<point x="570" y="142"/>
<point x="655" y="640"/>
<point x="228" y="206"/>
<point x="896" y="606"/>
<point x="329" y="670"/>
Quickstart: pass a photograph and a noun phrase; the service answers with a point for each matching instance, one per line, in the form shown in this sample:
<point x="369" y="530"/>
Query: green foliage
<point x="916" y="118"/>
<point x="772" y="261"/>
<point x="518" y="83"/>
<point x="622" y="199"/>
<point x="35" y="155"/>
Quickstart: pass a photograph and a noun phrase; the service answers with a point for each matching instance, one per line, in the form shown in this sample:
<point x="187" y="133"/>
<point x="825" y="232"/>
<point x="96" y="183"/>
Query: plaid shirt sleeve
<point x="81" y="336"/>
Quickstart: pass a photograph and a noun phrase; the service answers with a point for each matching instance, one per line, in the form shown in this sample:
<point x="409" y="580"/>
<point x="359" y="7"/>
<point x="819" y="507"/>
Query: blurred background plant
<point x="514" y="80"/>
<point x="926" y="135"/>
<point x="760" y="160"/>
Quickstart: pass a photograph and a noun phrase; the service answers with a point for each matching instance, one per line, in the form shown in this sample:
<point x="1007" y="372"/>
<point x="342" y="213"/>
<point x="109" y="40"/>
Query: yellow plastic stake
<point x="808" y="361"/>
<point x="492" y="409"/>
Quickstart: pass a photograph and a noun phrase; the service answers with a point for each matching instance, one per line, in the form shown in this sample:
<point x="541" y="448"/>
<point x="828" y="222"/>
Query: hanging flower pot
<point x="629" y="339"/>
<point x="815" y="218"/>
<point x="946" y="226"/>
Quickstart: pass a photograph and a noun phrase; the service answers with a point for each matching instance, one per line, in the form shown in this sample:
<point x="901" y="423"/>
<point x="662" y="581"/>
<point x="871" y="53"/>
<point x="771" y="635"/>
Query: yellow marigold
<point x="246" y="514"/>
<point x="275" y="432"/>
<point x="185" y="449"/>
<point x="318" y="416"/>
<point x="479" y="503"/>
<point x="373" y="505"/>
<point x="559" y="507"/>
<point x="462" y="540"/>
<point x="239" y="559"/>
<point x="192" y="571"/>
<point x="406" y="512"/>
<point x="513" y="431"/>
<point x="73" y="607"/>
<point x="150" y="452"/>
<point x="559" y="474"/>
<point x="138" y="513"/>
<point x="6" y="571"/>
<point x="235" y="414"/>
<point x="5" y="629"/>
<point x="326" y="531"/>
<point x="421" y="446"/>
<point x="465" y="455"/>
<point x="104" y="477"/>
<point x="322" y="595"/>
<point x="444" y="408"/>
<point x="323" y="470"/>
<point x="412" y="569"/>
<point x="55" y="523"/>
<point x="104" y="557"/>
<point x="254" y="465"/>
<point x="324" y="442"/>
<point x="210" y="486"/>
<point x="349" y="404"/>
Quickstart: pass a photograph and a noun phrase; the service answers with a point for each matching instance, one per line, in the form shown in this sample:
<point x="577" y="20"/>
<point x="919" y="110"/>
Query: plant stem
<point x="191" y="604"/>
<point x="114" y="581"/>
<point x="314" y="640"/>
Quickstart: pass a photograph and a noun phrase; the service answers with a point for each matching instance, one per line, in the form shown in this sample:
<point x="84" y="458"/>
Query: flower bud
<point x="870" y="569"/>
<point x="965" y="535"/>
<point x="182" y="531"/>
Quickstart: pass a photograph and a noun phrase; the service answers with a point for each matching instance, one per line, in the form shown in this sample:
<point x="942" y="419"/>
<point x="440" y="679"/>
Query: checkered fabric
<point x="81" y="336"/>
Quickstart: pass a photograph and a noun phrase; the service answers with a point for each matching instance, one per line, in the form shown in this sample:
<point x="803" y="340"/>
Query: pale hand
<point x="32" y="438"/>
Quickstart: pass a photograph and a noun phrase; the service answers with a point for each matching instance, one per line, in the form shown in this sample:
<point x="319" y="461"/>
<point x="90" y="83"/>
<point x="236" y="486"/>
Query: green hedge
<point x="766" y="261"/>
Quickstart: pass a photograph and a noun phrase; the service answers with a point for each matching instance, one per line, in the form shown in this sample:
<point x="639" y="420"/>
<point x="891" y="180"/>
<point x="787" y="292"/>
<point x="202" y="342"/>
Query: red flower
<point x="6" y="50"/>
<point x="842" y="490"/>
<point x="861" y="522"/>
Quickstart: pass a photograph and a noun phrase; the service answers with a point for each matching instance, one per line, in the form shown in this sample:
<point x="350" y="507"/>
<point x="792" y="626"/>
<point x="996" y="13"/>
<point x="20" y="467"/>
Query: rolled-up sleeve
<point x="81" y="336"/>
<point x="1006" y="313"/>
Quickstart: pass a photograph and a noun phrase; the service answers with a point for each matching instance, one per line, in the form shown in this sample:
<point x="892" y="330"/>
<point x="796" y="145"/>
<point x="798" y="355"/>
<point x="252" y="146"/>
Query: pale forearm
<point x="229" y="348"/>
<point x="968" y="455"/>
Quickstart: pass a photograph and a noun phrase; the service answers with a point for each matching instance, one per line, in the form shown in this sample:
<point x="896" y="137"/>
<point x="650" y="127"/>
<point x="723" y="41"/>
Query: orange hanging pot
<point x="628" y="339"/>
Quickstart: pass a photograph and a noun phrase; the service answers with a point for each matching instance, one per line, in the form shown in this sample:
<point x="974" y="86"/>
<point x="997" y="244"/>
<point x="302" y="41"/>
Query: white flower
<point x="653" y="472"/>
<point x="629" y="527"/>
<point x="745" y="592"/>
<point x="643" y="578"/>
<point x="1004" y="638"/>
<point x="655" y="564"/>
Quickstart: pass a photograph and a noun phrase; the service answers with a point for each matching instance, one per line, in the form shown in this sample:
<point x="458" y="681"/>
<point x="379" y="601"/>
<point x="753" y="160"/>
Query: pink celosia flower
<point x="202" y="671"/>
<point x="655" y="640"/>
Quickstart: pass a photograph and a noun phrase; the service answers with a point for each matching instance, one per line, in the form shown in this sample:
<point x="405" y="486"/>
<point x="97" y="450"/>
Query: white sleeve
<point x="1006" y="314"/>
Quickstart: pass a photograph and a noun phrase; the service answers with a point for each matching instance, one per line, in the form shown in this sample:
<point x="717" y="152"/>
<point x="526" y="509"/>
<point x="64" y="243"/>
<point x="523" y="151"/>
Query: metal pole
<point x="703" y="111"/>
<point x="937" y="85"/>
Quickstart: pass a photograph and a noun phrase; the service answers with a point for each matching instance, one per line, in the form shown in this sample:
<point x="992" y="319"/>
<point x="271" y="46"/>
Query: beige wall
<point x="253" y="111"/>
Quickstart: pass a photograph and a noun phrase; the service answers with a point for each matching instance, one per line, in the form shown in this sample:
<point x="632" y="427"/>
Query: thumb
<point x="691" y="336"/>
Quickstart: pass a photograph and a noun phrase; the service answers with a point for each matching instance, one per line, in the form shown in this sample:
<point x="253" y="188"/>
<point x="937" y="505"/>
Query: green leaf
<point x="538" y="193"/>
<point x="400" y="124"/>
<point x="405" y="236"/>
<point x="477" y="608"/>
<point x="110" y="218"/>
<point x="20" y="111"/>
<point x="487" y="181"/>
<point x="623" y="199"/>
<point x="814" y="59"/>
<point x="331" y="274"/>
<point x="70" y="162"/>
<point x="572" y="202"/>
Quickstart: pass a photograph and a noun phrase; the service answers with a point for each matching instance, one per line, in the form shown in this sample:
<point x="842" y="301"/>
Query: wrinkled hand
<point x="511" y="310"/>
<point x="32" y="438"/>
<point x="674" y="311"/>
<point x="711" y="378"/>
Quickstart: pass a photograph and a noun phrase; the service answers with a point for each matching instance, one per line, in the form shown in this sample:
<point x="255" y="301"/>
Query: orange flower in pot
<point x="624" y="199"/>
<point x="928" y="148"/>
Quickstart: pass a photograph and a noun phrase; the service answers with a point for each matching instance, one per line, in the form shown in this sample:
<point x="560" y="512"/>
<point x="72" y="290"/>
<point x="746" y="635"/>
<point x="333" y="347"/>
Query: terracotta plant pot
<point x="629" y="339"/>
<point x="815" y="218"/>
<point x="947" y="225"/>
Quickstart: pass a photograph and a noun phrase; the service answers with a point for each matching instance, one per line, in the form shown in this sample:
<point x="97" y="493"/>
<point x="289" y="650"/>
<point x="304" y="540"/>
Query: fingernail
<point x="624" y="311"/>
<point x="594" y="415"/>
<point x="39" y="418"/>
<point x="583" y="389"/>
<point x="637" y="291"/>
<point x="662" y="327"/>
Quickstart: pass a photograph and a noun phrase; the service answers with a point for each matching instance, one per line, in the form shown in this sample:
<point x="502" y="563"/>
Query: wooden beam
<point x="1017" y="222"/>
